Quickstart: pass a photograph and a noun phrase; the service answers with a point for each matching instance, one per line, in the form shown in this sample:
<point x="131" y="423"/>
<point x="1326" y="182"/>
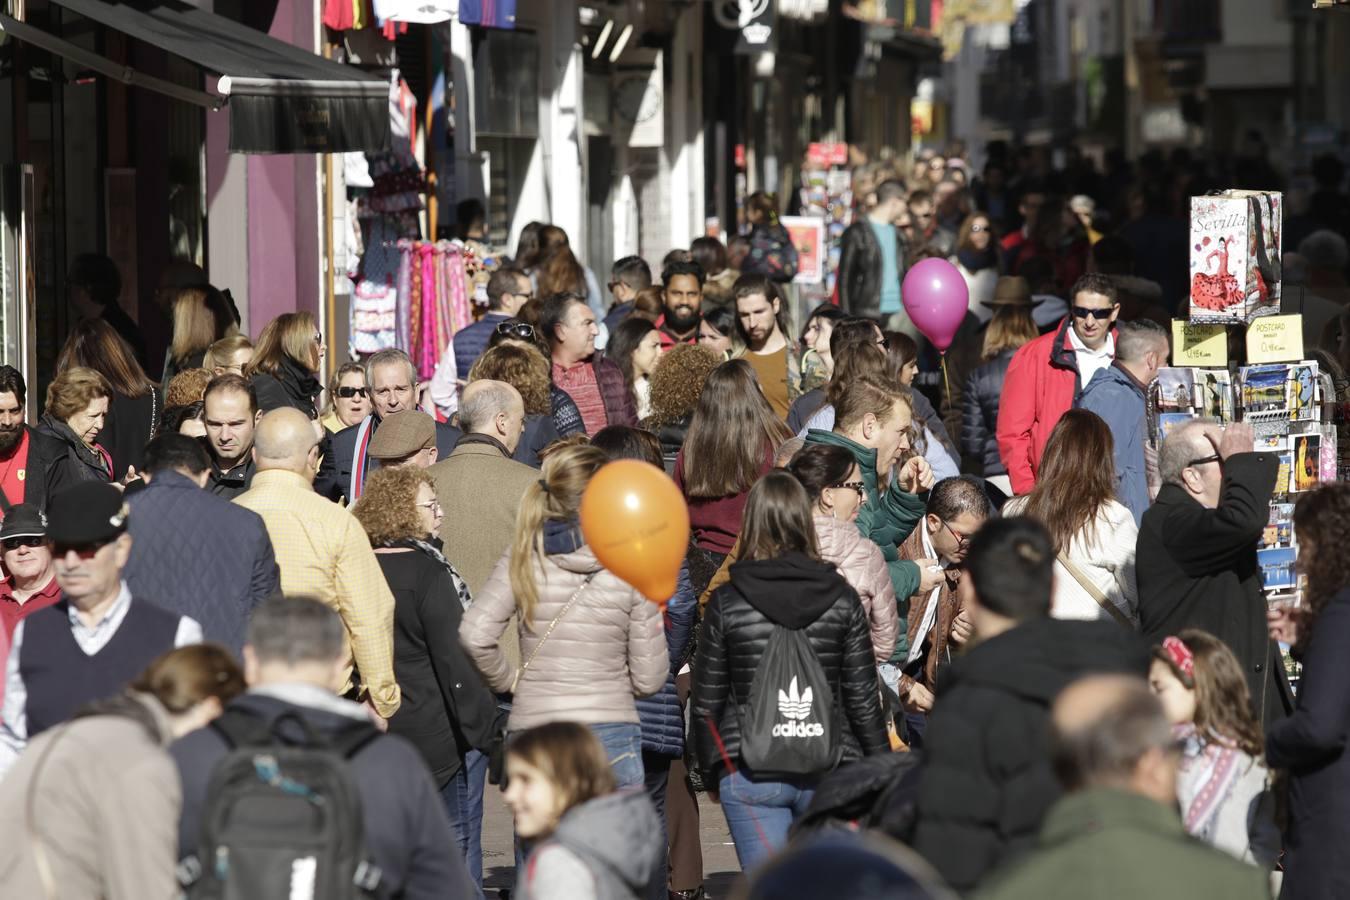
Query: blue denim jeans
<point x="463" y="799"/>
<point x="759" y="814"/>
<point x="623" y="746"/>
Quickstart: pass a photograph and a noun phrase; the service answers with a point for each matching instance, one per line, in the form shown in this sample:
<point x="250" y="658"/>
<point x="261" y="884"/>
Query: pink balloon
<point x="936" y="298"/>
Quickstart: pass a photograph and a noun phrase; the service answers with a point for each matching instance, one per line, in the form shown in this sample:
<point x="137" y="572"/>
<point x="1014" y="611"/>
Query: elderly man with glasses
<point x="1196" y="557"/>
<point x="1047" y="374"/>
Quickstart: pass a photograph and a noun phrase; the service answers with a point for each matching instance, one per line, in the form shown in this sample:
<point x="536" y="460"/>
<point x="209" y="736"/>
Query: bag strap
<point x="1095" y="592"/>
<point x="548" y="631"/>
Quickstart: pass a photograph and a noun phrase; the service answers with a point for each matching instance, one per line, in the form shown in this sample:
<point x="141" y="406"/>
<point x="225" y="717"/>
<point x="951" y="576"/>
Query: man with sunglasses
<point x="30" y="584"/>
<point x="957" y="508"/>
<point x="507" y="291"/>
<point x="1047" y="374"/>
<point x="98" y="636"/>
<point x="1196" y="558"/>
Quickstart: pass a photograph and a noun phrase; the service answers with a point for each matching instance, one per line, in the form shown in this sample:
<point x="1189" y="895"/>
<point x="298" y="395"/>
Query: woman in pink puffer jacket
<point x="835" y="486"/>
<point x="589" y="643"/>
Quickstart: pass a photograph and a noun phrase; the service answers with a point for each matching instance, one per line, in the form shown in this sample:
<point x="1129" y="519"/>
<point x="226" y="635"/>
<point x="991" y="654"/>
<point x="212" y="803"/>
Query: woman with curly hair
<point x="525" y="369"/>
<point x="447" y="712"/>
<point x="1311" y="743"/>
<point x="188" y="386"/>
<point x="676" y="384"/>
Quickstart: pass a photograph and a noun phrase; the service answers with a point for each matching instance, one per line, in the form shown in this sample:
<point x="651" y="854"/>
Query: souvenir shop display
<point x="827" y="193"/>
<point x="1235" y="255"/>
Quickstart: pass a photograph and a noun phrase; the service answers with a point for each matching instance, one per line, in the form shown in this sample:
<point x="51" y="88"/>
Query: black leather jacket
<point x="799" y="593"/>
<point x="860" y="269"/>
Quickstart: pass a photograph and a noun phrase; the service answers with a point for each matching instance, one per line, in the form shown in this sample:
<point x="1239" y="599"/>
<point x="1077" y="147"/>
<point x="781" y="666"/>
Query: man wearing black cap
<point x="27" y="556"/>
<point x="97" y="637"/>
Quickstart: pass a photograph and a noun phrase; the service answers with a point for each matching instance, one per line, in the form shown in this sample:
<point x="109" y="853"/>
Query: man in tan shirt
<point x="759" y="312"/>
<point x="321" y="549"/>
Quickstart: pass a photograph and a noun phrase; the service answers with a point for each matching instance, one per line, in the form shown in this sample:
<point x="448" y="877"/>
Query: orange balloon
<point x="635" y="521"/>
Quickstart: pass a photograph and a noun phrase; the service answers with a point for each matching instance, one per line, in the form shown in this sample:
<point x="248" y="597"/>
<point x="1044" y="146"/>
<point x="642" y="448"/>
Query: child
<point x="586" y="840"/>
<point x="1222" y="786"/>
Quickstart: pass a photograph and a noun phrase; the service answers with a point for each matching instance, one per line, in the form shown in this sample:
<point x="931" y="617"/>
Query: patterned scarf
<point x="1209" y="769"/>
<point x="461" y="589"/>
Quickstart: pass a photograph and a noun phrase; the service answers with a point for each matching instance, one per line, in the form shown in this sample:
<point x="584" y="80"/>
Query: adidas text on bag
<point x="789" y="724"/>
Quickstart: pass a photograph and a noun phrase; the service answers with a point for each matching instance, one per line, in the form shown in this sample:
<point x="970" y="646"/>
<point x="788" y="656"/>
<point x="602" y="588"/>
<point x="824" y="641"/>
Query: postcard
<point x="1303" y="391"/>
<point x="1170" y="420"/>
<point x="1176" y="388"/>
<point x="1277" y="568"/>
<point x="1306" y="450"/>
<point x="1265" y="388"/>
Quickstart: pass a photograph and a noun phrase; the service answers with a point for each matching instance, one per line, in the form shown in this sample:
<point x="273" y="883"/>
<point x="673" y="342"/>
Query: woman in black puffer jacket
<point x="1010" y="328"/>
<point x="780" y="580"/>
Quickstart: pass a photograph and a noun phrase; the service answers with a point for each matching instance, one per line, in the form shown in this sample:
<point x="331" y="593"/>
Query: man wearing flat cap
<point x="406" y="438"/>
<point x="97" y="637"/>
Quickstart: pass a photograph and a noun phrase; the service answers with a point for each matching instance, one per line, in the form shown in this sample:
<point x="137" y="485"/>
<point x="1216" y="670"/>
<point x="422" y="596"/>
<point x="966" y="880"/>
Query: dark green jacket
<point x="887" y="519"/>
<point x="1104" y="844"/>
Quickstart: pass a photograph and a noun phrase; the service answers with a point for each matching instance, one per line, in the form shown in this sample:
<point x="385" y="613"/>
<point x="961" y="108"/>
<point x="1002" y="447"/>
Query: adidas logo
<point x="793" y="706"/>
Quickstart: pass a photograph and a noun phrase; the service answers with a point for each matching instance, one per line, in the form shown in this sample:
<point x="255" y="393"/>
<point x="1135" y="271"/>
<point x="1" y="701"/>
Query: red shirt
<point x="669" y="340"/>
<point x="580" y="384"/>
<point x="12" y="612"/>
<point x="13" y="472"/>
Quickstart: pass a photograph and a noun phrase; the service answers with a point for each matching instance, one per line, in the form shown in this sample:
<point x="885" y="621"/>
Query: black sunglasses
<point x="348" y="393"/>
<point x="522" y="331"/>
<point x="83" y="551"/>
<point x="858" y="486"/>
<point x="1216" y="458"/>
<point x="1101" y="315"/>
<point x="27" y="540"/>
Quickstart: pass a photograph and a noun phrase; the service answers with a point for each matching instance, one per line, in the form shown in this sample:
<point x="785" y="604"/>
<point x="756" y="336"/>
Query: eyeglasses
<point x="858" y="486"/>
<point x="522" y="331"/>
<point x="83" y="551"/>
<point x="318" y="337"/>
<point x="27" y="540"/>
<point x="433" y="506"/>
<point x="961" y="539"/>
<point x="1101" y="315"/>
<point x="1205" y="460"/>
<point x="976" y="229"/>
<point x="348" y="393"/>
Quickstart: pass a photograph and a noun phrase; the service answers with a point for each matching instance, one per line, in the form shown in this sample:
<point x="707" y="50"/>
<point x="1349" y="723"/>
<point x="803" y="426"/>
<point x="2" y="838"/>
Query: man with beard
<point x="759" y="313"/>
<point x="27" y="457"/>
<point x="230" y="412"/>
<point x="683" y="298"/>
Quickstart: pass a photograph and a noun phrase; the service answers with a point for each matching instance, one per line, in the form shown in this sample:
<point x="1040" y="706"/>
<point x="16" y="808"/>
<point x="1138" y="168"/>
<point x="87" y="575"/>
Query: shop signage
<point x="754" y="19"/>
<point x="808" y="236"/>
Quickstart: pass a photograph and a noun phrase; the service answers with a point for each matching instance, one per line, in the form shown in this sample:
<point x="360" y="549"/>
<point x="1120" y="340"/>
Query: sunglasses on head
<point x="522" y="331"/>
<point x="1101" y="315"/>
<point x="25" y="540"/>
<point x="348" y="393"/>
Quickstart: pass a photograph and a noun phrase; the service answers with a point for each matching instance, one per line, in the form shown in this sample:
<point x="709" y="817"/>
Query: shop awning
<point x="280" y="98"/>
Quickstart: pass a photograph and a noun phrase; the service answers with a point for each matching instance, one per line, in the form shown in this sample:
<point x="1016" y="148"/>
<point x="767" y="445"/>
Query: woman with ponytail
<point x="589" y="643"/>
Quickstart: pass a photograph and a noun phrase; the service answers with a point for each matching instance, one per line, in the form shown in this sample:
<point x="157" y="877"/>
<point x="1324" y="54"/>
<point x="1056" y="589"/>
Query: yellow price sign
<point x="1275" y="339"/>
<point x="1202" y="345"/>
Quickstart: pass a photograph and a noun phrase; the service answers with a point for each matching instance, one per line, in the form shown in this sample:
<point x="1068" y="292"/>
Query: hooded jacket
<point x="987" y="781"/>
<point x="864" y="568"/>
<point x="606" y="649"/>
<point x="1118" y="398"/>
<point x="797" y="593"/>
<point x="1040" y="386"/>
<point x="406" y="830"/>
<point x="604" y="849"/>
<point x="885" y="518"/>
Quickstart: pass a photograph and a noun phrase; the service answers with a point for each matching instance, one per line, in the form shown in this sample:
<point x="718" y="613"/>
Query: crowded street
<point x="631" y="450"/>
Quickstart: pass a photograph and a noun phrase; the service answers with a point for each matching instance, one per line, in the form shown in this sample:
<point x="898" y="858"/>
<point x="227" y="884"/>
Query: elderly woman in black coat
<point x="1313" y="744"/>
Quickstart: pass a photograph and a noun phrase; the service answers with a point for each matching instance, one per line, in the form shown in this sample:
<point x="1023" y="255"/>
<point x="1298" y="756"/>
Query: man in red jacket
<point x="1046" y="375"/>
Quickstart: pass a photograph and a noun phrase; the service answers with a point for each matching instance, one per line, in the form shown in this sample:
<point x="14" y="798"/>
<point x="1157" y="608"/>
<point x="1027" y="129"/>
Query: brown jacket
<point x="608" y="648"/>
<point x="480" y="490"/>
<point x="939" y="638"/>
<point x="105" y="812"/>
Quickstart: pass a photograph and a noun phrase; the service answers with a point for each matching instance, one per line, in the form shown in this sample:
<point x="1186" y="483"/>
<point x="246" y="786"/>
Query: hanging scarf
<point x="974" y="260"/>
<point x="461" y="589"/>
<point x="1211" y="769"/>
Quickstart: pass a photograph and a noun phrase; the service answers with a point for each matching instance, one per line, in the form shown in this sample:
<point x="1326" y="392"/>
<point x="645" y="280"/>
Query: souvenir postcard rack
<point x="1290" y="408"/>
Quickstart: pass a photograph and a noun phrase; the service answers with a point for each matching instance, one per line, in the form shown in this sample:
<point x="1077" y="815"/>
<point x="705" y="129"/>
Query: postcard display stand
<point x="1290" y="405"/>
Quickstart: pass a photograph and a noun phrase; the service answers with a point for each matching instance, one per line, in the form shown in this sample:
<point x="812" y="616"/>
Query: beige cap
<point x="403" y="434"/>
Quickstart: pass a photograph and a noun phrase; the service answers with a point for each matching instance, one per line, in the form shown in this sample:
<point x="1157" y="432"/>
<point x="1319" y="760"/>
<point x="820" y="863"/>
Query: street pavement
<point x="720" y="869"/>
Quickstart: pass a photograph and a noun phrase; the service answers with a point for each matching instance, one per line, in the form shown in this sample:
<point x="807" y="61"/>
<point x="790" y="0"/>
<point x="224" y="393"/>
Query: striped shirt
<point x="323" y="552"/>
<point x="581" y="385"/>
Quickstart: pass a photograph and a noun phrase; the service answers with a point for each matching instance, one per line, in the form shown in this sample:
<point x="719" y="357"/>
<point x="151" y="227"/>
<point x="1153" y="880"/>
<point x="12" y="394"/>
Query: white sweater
<point x="1105" y="556"/>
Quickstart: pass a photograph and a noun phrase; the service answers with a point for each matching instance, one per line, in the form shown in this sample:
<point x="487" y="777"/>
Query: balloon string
<point x="947" y="385"/>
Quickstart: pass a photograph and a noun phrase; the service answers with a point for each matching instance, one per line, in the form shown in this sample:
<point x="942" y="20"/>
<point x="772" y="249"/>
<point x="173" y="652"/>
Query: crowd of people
<point x="971" y="633"/>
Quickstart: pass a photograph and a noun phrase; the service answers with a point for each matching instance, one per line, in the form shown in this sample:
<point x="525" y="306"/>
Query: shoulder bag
<point x="1093" y="591"/>
<point x="548" y="631"/>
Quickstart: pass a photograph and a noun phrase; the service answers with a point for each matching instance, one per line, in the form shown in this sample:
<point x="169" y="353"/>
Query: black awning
<point x="281" y="98"/>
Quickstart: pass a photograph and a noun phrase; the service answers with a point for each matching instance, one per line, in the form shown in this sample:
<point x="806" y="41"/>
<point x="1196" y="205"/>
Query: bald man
<point x="1117" y="832"/>
<point x="322" y="551"/>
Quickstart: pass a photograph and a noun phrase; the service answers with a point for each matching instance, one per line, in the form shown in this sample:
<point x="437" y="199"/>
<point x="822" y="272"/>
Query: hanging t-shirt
<point x="425" y="12"/>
